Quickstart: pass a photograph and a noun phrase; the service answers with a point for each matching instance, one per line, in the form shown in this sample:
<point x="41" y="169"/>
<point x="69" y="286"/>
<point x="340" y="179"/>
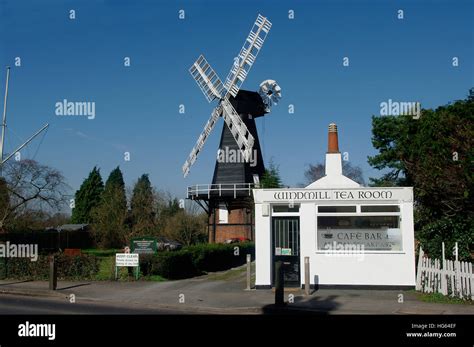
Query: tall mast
<point x="4" y="120"/>
<point x="4" y="126"/>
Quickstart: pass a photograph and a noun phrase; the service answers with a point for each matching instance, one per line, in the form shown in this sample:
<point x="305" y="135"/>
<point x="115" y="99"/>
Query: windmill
<point x="4" y="126"/>
<point x="228" y="200"/>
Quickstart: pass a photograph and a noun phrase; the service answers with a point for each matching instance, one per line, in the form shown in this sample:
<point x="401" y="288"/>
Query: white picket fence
<point x="454" y="278"/>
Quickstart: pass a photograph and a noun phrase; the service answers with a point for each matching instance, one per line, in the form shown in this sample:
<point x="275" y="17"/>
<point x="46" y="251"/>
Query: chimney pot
<point x="333" y="145"/>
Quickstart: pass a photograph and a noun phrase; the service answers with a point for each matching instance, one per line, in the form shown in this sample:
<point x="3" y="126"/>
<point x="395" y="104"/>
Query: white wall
<point x="370" y="268"/>
<point x="263" y="244"/>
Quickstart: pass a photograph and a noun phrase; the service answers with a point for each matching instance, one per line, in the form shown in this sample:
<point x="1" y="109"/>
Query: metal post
<point x="4" y="120"/>
<point x="279" y="284"/>
<point x="5" y="269"/>
<point x="249" y="261"/>
<point x="53" y="274"/>
<point x="443" y="259"/>
<point x="306" y="276"/>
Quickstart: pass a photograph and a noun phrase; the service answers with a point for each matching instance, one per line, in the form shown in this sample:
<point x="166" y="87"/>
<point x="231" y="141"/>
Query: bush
<point x="174" y="265"/>
<point x="102" y="252"/>
<point x="77" y="267"/>
<point x="188" y="262"/>
<point x="69" y="267"/>
<point x="218" y="257"/>
<point x="24" y="268"/>
<point x="449" y="231"/>
<point x="146" y="263"/>
<point x="198" y="259"/>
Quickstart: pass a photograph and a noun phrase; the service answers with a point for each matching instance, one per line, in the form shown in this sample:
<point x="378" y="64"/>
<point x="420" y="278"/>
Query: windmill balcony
<point x="225" y="190"/>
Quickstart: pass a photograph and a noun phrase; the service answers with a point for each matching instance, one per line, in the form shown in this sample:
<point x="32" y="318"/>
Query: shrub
<point x="198" y="259"/>
<point x="68" y="267"/>
<point x="218" y="257"/>
<point x="188" y="262"/>
<point x="146" y="263"/>
<point x="102" y="252"/>
<point x="174" y="265"/>
<point x="23" y="268"/>
<point x="449" y="231"/>
<point x="77" y="267"/>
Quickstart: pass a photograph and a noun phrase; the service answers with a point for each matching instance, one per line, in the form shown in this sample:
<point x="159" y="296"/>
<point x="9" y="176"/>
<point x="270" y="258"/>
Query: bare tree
<point x="31" y="186"/>
<point x="187" y="226"/>
<point x="317" y="171"/>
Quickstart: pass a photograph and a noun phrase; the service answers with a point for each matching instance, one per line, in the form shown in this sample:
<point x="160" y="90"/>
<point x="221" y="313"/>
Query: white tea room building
<point x="354" y="236"/>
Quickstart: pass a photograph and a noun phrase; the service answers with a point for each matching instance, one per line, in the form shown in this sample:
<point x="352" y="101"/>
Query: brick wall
<point x="239" y="225"/>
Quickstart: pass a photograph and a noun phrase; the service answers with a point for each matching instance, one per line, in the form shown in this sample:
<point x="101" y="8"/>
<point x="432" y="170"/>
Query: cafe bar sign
<point x="317" y="195"/>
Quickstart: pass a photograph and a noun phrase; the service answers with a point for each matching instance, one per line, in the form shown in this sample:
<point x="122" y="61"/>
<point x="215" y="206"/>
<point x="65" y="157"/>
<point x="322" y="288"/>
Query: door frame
<point x="272" y="250"/>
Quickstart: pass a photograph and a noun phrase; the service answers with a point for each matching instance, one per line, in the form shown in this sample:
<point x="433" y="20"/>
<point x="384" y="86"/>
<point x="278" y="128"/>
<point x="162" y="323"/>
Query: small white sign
<point x="126" y="259"/>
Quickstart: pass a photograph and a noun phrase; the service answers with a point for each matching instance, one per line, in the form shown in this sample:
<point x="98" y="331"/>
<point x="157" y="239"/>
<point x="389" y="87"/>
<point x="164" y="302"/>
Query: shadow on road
<point x="75" y="286"/>
<point x="17" y="282"/>
<point x="301" y="306"/>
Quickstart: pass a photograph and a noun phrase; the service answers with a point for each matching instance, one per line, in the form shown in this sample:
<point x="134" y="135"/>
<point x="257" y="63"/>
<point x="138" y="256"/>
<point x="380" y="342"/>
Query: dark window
<point x="336" y="209"/>
<point x="286" y="208"/>
<point x="358" y="222"/>
<point x="380" y="208"/>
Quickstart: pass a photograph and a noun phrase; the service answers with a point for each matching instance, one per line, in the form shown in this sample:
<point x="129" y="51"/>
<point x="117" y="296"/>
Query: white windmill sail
<point x="211" y="123"/>
<point x="247" y="55"/>
<point x="212" y="88"/>
<point x="207" y="79"/>
<point x="239" y="130"/>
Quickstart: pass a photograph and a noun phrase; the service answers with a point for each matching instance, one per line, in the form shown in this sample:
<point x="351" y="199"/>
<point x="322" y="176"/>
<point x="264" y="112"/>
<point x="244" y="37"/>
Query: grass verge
<point x="441" y="299"/>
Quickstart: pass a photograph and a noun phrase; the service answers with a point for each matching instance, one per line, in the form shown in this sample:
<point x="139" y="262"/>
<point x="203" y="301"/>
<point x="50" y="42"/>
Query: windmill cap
<point x="333" y="143"/>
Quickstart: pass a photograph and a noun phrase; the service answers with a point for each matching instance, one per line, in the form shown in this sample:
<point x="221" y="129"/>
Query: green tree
<point x="116" y="179"/>
<point x="109" y="216"/>
<point x="143" y="207"/>
<point x="87" y="197"/>
<point x="169" y="207"/>
<point x="434" y="154"/>
<point x="271" y="177"/>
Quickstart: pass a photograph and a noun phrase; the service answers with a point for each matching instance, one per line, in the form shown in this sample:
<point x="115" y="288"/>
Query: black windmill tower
<point x="239" y="164"/>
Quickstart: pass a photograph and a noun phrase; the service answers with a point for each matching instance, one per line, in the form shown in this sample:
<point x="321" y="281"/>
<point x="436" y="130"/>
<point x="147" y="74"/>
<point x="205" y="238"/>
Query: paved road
<point x="218" y="293"/>
<point x="19" y="304"/>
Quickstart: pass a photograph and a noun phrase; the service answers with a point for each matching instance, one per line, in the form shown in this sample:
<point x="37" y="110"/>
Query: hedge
<point x="69" y="267"/>
<point x="196" y="260"/>
<point x="188" y="262"/>
<point x="218" y="257"/>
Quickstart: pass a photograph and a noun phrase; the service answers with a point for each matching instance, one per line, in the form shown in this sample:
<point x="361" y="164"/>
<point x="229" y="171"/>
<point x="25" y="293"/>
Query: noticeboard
<point x="144" y="245"/>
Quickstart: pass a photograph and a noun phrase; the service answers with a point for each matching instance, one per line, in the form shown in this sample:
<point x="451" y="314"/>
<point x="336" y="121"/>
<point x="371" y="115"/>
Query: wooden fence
<point x="453" y="278"/>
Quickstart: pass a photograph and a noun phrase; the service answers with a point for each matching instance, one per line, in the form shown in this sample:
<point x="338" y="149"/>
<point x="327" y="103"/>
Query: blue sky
<point x="137" y="106"/>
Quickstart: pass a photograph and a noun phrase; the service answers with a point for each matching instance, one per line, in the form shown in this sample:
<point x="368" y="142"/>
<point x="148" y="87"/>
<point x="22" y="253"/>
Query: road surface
<point x="19" y="305"/>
